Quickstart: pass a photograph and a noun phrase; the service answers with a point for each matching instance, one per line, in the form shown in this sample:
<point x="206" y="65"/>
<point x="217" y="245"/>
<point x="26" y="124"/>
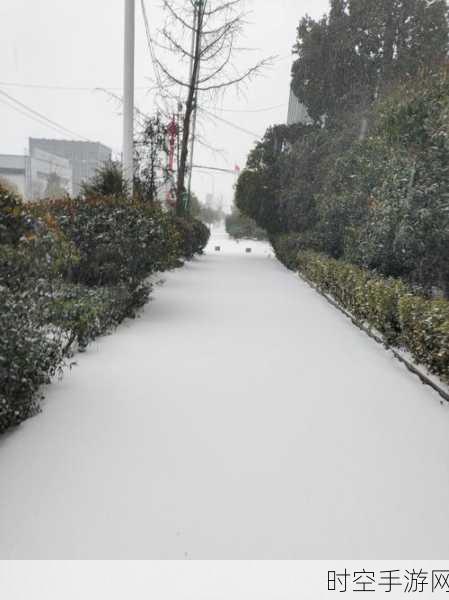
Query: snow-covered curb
<point x="403" y="356"/>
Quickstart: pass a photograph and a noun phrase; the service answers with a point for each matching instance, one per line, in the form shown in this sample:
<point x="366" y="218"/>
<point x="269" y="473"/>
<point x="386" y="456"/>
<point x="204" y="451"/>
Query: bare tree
<point x="202" y="36"/>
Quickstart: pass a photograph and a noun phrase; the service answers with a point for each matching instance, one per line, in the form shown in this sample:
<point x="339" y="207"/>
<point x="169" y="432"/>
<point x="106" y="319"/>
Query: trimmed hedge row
<point x="118" y="239"/>
<point x="71" y="270"/>
<point x="405" y="320"/>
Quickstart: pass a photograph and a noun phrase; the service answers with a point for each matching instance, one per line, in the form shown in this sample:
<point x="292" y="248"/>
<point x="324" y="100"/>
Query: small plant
<point x="194" y="236"/>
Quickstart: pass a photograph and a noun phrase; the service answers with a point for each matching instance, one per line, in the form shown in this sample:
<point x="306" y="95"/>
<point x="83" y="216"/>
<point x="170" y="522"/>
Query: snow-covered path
<point x="241" y="417"/>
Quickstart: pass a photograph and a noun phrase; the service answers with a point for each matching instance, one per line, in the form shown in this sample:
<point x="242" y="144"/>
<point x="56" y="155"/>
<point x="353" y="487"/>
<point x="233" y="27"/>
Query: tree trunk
<point x="180" y="205"/>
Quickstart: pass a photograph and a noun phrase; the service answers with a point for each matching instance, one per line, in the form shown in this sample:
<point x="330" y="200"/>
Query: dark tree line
<point x="355" y="53"/>
<point x="368" y="179"/>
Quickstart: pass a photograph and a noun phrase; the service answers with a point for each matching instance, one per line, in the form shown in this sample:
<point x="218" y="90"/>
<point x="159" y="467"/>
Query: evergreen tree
<point x="349" y="57"/>
<point x="107" y="181"/>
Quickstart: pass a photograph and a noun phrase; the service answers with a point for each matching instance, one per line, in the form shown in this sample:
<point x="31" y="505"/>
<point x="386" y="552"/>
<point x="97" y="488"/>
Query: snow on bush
<point x="71" y="270"/>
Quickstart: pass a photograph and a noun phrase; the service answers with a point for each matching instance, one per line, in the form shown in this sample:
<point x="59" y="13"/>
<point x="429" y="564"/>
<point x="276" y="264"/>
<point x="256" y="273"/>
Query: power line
<point x="254" y="110"/>
<point x="153" y="53"/>
<point x="30" y="116"/>
<point x="233" y="172"/>
<point x="54" y="124"/>
<point x="41" y="119"/>
<point x="150" y="42"/>
<point x="137" y="111"/>
<point x="22" y="112"/>
<point x="40" y="122"/>
<point x="42" y="86"/>
<point x="233" y="125"/>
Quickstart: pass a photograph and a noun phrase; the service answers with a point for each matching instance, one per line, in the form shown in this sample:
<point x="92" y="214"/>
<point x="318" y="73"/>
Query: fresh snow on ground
<point x="240" y="417"/>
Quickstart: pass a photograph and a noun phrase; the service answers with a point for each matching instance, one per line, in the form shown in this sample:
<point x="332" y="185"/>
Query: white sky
<point x="78" y="43"/>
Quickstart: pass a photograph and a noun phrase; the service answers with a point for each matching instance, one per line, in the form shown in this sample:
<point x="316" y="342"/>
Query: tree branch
<point x="247" y="75"/>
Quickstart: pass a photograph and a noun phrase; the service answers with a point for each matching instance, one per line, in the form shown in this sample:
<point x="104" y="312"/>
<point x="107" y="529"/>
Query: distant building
<point x="34" y="175"/>
<point x="84" y="157"/>
<point x="297" y="112"/>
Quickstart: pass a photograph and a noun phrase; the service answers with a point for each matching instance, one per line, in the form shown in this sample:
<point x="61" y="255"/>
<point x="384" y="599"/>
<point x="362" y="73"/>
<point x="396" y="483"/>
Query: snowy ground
<point x="241" y="417"/>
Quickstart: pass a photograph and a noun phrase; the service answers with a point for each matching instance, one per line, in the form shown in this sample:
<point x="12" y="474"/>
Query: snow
<point x="240" y="417"/>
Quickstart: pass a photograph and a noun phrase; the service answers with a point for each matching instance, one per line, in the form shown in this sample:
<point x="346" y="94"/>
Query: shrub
<point x="417" y="324"/>
<point x="194" y="236"/>
<point x="36" y="259"/>
<point x="107" y="181"/>
<point x="84" y="313"/>
<point x="287" y="247"/>
<point x="71" y="270"/>
<point x="425" y="332"/>
<point x="30" y="354"/>
<point x="118" y="240"/>
<point x="240" y="226"/>
<point x="370" y="298"/>
<point x="201" y="234"/>
<point x="14" y="222"/>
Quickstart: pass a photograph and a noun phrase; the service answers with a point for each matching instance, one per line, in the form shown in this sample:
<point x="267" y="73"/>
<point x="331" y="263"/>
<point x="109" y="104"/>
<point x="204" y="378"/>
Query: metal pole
<point x="128" y="95"/>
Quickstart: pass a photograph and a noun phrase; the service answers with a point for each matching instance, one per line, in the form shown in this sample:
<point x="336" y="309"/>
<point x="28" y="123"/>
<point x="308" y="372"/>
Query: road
<point x="240" y="417"/>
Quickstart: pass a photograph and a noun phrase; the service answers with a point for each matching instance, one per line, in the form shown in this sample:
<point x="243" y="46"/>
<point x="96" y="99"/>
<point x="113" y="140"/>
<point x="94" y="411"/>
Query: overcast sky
<point x="78" y="44"/>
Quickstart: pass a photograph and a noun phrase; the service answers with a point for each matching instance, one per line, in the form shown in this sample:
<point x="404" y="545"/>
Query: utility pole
<point x="128" y="94"/>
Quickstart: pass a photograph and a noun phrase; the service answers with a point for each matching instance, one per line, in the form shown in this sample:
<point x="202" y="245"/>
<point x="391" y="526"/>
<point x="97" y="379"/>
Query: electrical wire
<point x="203" y="167"/>
<point x="254" y="110"/>
<point x="30" y="116"/>
<point x="39" y="86"/>
<point x="42" y="120"/>
<point x="137" y="112"/>
<point x="54" y="124"/>
<point x="153" y="54"/>
<point x="233" y="125"/>
<point x="22" y="112"/>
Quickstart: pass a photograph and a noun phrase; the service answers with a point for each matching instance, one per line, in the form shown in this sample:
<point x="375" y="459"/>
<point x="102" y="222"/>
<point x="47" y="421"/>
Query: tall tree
<point x="151" y="156"/>
<point x="202" y="37"/>
<point x="349" y="57"/>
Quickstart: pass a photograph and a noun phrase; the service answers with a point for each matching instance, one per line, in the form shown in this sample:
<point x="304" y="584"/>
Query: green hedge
<point x="239" y="226"/>
<point x="82" y="313"/>
<point x="118" y="239"/>
<point x="194" y="236"/>
<point x="405" y="320"/>
<point x="425" y="332"/>
<point x="30" y="355"/>
<point x="71" y="270"/>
